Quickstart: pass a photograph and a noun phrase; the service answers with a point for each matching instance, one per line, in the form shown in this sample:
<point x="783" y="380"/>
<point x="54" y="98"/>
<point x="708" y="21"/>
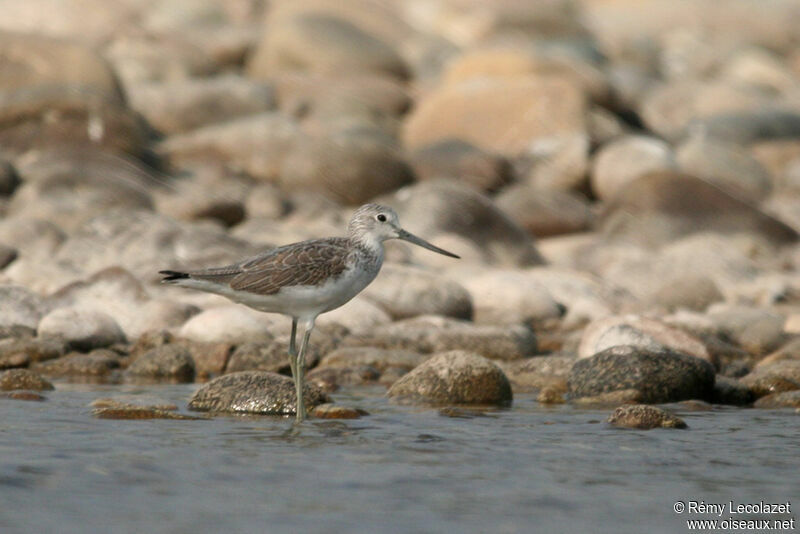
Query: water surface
<point x="528" y="469"/>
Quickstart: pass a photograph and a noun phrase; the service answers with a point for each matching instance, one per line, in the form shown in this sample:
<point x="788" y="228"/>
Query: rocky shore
<point x="621" y="180"/>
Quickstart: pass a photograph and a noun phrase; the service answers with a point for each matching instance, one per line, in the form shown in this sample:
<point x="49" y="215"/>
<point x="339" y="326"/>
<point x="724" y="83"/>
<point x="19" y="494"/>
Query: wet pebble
<point x="644" y="417"/>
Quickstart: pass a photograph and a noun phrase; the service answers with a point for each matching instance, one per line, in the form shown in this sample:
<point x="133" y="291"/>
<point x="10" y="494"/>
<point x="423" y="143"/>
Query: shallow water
<point x="528" y="469"/>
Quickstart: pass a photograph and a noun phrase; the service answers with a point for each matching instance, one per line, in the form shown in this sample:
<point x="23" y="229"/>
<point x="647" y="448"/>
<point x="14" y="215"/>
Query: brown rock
<point x="272" y="356"/>
<point x="786" y="399"/>
<point x="437" y="207"/>
<point x="460" y="161"/>
<point x="330" y="379"/>
<point x="543" y="212"/>
<point x="508" y="117"/>
<point x="532" y="374"/>
<point x="98" y="364"/>
<point x="23" y="379"/>
<point x="659" y="208"/>
<point x="623" y="160"/>
<point x="348" y="168"/>
<point x="169" y="362"/>
<point x="321" y="43"/>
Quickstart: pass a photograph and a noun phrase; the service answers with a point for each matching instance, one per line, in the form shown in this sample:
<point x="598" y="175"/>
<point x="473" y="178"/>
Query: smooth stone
<point x="9" y="180"/>
<point x="438" y="207"/>
<point x="406" y="291"/>
<point x="259" y="356"/>
<point x="641" y="332"/>
<point x="553" y="394"/>
<point x="379" y="359"/>
<point x="169" y="362"/>
<point x="545" y="212"/>
<point x="20" y="307"/>
<point x="644" y="417"/>
<point x="787" y="399"/>
<point x="677" y="108"/>
<point x="358" y="315"/>
<point x="749" y="126"/>
<point x="560" y="164"/>
<point x="789" y="351"/>
<point x="256" y="144"/>
<point x="756" y="330"/>
<point x="457" y="160"/>
<point x="343" y="167"/>
<point x="731" y="391"/>
<point x="725" y="165"/>
<point x="81" y="328"/>
<point x="454" y="377"/>
<point x="98" y="181"/>
<point x="210" y="359"/>
<point x="690" y="292"/>
<point x="229" y="323"/>
<point x="322" y="43"/>
<point x="253" y="392"/>
<point x="97" y="364"/>
<point x="660" y="375"/>
<point x="146" y="57"/>
<point x="188" y="198"/>
<point x="16" y="352"/>
<point x="23" y="379"/>
<point x="776" y="377"/>
<point x="537" y="373"/>
<point x="334" y="411"/>
<point x="183" y="105"/>
<point x="505" y="296"/>
<point x="120" y="294"/>
<point x="622" y="161"/>
<point x="39" y="238"/>
<point x="508" y="117"/>
<point x="429" y="334"/>
<point x="659" y="208"/>
<point x="7" y="256"/>
<point x="142" y="242"/>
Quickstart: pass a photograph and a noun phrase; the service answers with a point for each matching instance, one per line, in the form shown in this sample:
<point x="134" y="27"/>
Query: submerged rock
<point x="253" y="392"/>
<point x="644" y="417"/>
<point x="455" y="377"/>
<point x="660" y="375"/>
<point x="334" y="411"/>
<point x="100" y="363"/>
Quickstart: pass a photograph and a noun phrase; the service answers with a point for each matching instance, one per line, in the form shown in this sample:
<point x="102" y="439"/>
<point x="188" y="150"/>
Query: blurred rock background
<point x="613" y="173"/>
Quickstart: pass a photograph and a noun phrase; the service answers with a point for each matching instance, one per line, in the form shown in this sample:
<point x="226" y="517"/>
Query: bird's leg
<point x="298" y="379"/>
<point x="293" y="349"/>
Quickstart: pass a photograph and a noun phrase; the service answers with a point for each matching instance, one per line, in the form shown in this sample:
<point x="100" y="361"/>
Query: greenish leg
<point x="293" y="350"/>
<point x="298" y="381"/>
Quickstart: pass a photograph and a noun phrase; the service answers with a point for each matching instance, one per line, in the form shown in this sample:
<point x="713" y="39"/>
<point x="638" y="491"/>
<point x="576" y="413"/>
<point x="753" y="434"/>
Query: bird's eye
<point x="381" y="217"/>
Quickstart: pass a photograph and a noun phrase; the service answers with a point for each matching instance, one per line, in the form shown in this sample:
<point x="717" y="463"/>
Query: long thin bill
<point x="411" y="238"/>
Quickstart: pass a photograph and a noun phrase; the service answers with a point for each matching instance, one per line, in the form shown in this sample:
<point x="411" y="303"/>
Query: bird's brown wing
<point x="301" y="264"/>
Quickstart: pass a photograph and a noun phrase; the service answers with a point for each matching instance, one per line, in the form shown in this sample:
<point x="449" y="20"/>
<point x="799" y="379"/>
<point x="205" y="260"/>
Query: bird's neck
<point x="369" y="244"/>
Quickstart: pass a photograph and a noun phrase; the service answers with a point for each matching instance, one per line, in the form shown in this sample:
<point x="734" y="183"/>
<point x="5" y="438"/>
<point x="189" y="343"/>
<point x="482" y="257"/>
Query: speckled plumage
<point x="305" y="279"/>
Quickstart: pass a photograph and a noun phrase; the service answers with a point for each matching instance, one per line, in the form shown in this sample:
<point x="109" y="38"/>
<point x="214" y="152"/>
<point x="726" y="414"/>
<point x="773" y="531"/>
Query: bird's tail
<point x="171" y="276"/>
